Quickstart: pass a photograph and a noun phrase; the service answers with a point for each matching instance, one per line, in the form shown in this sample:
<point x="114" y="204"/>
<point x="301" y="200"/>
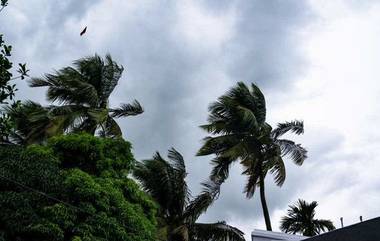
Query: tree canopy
<point x="76" y="188"/>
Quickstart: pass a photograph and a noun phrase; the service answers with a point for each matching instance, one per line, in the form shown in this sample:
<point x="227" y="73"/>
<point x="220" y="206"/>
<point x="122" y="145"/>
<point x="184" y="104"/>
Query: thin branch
<point x="17" y="77"/>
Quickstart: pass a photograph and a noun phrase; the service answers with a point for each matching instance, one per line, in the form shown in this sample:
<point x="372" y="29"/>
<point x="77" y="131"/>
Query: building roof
<point x="365" y="231"/>
<point x="258" y="234"/>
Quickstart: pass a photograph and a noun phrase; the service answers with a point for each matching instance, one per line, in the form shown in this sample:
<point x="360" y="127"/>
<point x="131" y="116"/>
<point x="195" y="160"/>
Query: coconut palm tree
<point x="301" y="219"/>
<point x="239" y="131"/>
<point x="83" y="92"/>
<point x="178" y="213"/>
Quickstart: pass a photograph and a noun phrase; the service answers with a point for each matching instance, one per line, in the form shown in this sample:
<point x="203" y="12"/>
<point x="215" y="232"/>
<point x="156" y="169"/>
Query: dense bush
<point x="91" y="197"/>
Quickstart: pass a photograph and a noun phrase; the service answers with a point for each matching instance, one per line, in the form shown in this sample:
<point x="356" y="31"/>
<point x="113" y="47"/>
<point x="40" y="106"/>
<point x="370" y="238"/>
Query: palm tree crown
<point x="83" y="93"/>
<point x="239" y="131"/>
<point x="165" y="182"/>
<point x="301" y="219"/>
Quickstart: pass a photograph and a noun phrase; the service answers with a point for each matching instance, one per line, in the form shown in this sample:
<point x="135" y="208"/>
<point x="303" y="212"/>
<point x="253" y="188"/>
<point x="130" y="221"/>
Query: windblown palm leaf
<point x="238" y="131"/>
<point x="165" y="182"/>
<point x="85" y="89"/>
<point x="301" y="219"/>
<point x="35" y="123"/>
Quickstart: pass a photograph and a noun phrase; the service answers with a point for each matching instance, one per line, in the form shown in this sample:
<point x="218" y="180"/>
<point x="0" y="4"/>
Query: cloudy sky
<point x="316" y="60"/>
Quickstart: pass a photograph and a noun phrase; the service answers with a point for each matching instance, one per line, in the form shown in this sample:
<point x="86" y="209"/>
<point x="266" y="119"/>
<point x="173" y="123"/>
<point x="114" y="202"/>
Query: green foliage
<point x="165" y="182"/>
<point x="103" y="157"/>
<point x="7" y="89"/>
<point x="83" y="192"/>
<point x="301" y="219"/>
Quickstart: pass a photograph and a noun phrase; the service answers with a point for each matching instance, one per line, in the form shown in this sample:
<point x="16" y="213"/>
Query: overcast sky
<point x="318" y="61"/>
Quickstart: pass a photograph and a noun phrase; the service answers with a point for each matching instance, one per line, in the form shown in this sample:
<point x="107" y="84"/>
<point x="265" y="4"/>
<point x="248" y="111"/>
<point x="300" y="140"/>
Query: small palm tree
<point x="239" y="131"/>
<point x="83" y="93"/>
<point x="165" y="182"/>
<point x="301" y="219"/>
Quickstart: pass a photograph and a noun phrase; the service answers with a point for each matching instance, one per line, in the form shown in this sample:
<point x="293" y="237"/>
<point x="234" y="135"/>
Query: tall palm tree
<point x="83" y="92"/>
<point x="239" y="131"/>
<point x="301" y="219"/>
<point x="165" y="182"/>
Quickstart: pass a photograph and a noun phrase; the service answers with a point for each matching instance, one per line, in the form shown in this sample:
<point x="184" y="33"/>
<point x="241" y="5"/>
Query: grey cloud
<point x="265" y="49"/>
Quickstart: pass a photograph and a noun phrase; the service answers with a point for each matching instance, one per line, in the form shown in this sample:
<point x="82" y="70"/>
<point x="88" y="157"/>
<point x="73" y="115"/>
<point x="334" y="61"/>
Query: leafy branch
<point x="3" y="4"/>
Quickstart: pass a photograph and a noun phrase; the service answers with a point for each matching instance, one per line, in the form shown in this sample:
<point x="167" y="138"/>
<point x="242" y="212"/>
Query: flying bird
<point x="83" y="31"/>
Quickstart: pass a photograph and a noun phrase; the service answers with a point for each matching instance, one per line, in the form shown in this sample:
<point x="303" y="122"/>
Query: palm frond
<point x="177" y="160"/>
<point x="155" y="177"/>
<point x="181" y="190"/>
<point x="295" y="126"/>
<point x="41" y="82"/>
<point x="216" y="127"/>
<point x="203" y="201"/>
<point x="112" y="129"/>
<point x="67" y="86"/>
<point x="276" y="166"/>
<point x="165" y="181"/>
<point x="296" y="152"/>
<point x="254" y="171"/>
<point x="324" y="225"/>
<point x="248" y="118"/>
<point x="221" y="168"/>
<point x="127" y="110"/>
<point x="110" y="77"/>
<point x="218" y="144"/>
<point x="33" y="122"/>
<point x="260" y="110"/>
<point x="73" y="93"/>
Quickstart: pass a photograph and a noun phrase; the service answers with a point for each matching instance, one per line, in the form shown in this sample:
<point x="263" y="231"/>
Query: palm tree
<point x="239" y="131"/>
<point x="301" y="219"/>
<point x="83" y="93"/>
<point x="165" y="182"/>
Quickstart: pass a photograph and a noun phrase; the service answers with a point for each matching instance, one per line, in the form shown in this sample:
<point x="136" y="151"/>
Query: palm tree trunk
<point x="264" y="203"/>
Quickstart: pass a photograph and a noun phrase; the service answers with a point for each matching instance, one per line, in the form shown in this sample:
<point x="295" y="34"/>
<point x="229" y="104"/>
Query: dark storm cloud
<point x="171" y="76"/>
<point x="266" y="49"/>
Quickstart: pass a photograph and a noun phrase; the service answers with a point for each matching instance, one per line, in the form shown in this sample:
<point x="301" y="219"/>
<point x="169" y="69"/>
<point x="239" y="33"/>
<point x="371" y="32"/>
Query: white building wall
<point x="262" y="235"/>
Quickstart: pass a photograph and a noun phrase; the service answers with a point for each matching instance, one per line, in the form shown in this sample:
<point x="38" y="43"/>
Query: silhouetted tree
<point x="237" y="122"/>
<point x="165" y="182"/>
<point x="301" y="219"/>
